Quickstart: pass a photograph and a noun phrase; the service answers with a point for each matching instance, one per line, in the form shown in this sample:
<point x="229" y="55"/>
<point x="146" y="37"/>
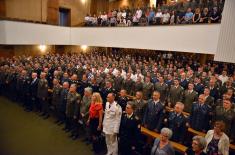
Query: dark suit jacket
<point x="34" y="88"/>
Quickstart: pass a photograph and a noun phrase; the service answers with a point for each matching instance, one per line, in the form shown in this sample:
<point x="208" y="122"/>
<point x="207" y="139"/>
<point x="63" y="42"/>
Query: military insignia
<point x="136" y="117"/>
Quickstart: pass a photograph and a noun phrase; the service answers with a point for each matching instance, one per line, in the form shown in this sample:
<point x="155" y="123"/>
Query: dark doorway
<point x="65" y="17"/>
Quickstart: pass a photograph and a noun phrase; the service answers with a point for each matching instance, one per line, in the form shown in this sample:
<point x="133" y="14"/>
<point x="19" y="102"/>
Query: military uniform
<point x="177" y="123"/>
<point x="147" y="90"/>
<point x="138" y="86"/>
<point x="72" y="112"/>
<point x="128" y="134"/>
<point x="104" y="93"/>
<point x="199" y="117"/>
<point x="128" y="85"/>
<point x="84" y="113"/>
<point x="122" y="101"/>
<point x="111" y="124"/>
<point x="56" y="99"/>
<point x="140" y="109"/>
<point x="188" y="98"/>
<point x="175" y="95"/>
<point x="199" y="88"/>
<point x="62" y="104"/>
<point x="33" y="87"/>
<point x="163" y="89"/>
<point x="154" y="115"/>
<point x="118" y="83"/>
<point x="42" y="95"/>
<point x="228" y="117"/>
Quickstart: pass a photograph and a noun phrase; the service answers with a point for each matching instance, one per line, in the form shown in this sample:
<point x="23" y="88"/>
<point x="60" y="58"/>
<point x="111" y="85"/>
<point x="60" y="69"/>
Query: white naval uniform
<point x="111" y="124"/>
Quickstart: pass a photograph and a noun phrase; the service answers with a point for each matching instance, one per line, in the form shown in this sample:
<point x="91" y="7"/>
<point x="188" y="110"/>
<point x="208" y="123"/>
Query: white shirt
<point x="139" y="13"/>
<point x="158" y="15"/>
<point x="223" y="79"/>
<point x="112" y="118"/>
<point x="165" y="17"/>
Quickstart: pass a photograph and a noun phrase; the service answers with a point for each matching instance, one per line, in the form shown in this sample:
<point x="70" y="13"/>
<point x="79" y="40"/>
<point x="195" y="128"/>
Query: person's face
<point x="164" y="137"/>
<point x="72" y="88"/>
<point x="227" y="104"/>
<point x="176" y="82"/>
<point x="156" y="96"/>
<point x="195" y="146"/>
<point x="93" y="97"/>
<point x="201" y="99"/>
<point x="178" y="108"/>
<point x="122" y="93"/>
<point x="206" y="92"/>
<point x="34" y="75"/>
<point x="190" y="86"/>
<point x="65" y="85"/>
<point x="138" y="96"/>
<point x="129" y="109"/>
<point x="110" y="98"/>
<point x="217" y="129"/>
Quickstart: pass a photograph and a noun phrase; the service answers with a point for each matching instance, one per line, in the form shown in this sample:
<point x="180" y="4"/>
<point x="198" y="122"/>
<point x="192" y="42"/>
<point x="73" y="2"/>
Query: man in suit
<point x="106" y="90"/>
<point x="129" y="131"/>
<point x="175" y="94"/>
<point x="162" y="88"/>
<point x="33" y="91"/>
<point x="189" y="97"/>
<point x="154" y="113"/>
<point x="198" y="86"/>
<point x="176" y="121"/>
<point x="183" y="81"/>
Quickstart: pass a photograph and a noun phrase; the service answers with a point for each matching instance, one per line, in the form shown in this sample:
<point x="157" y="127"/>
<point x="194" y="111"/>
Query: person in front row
<point x="111" y="124"/>
<point x="162" y="146"/>
<point x="198" y="145"/>
<point x="154" y="113"/>
<point x="217" y="140"/>
<point x="129" y="131"/>
<point x="95" y="120"/>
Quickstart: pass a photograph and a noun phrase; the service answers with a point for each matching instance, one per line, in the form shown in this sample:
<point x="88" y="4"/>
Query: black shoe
<point x="74" y="137"/>
<point x="46" y="117"/>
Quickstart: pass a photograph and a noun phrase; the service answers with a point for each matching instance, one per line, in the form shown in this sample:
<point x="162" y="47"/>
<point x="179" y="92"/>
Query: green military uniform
<point x="163" y="89"/>
<point x="175" y="95"/>
<point x="188" y="99"/>
<point x="42" y="95"/>
<point x="147" y="90"/>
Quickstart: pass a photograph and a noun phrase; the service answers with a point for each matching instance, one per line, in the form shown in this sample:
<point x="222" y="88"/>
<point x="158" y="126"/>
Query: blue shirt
<point x="189" y="15"/>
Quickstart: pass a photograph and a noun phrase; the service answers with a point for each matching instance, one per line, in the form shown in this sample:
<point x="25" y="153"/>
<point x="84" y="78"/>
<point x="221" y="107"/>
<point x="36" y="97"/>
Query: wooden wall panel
<point x="53" y="12"/>
<point x="2" y="8"/>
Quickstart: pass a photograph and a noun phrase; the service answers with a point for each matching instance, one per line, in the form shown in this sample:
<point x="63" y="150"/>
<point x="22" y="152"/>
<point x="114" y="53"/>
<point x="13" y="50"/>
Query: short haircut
<point x="132" y="104"/>
<point x="88" y="89"/>
<point x="167" y="131"/>
<point x="201" y="141"/>
<point x="220" y="125"/>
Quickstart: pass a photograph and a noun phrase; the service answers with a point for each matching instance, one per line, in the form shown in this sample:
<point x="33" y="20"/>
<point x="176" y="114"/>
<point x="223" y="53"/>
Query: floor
<point x="26" y="133"/>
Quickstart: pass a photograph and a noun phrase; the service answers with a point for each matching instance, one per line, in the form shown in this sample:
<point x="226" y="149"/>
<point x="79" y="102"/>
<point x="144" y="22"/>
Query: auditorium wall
<point x="35" y="10"/>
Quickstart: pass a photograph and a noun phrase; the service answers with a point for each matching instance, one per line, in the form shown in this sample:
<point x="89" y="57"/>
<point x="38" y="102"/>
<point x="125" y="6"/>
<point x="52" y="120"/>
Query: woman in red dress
<point x="95" y="120"/>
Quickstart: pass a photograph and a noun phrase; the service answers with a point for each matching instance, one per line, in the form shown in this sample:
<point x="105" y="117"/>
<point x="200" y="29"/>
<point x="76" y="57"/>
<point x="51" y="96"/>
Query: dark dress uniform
<point x="199" y="117"/>
<point x="228" y="117"/>
<point x="154" y="115"/>
<point x="118" y="83"/>
<point x="214" y="92"/>
<point x="184" y="83"/>
<point x="140" y="109"/>
<point x="95" y="87"/>
<point x="33" y="93"/>
<point x="42" y="95"/>
<point x="122" y="101"/>
<point x="163" y="89"/>
<point x="72" y="112"/>
<point x="104" y="93"/>
<point x="147" y="90"/>
<point x="175" y="95"/>
<point x="128" y="134"/>
<point x="62" y="104"/>
<point x="56" y="99"/>
<point x="199" y="88"/>
<point x="177" y="123"/>
<point x="188" y="99"/>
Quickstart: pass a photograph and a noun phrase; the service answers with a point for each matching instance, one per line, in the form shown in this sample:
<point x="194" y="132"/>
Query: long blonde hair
<point x="97" y="98"/>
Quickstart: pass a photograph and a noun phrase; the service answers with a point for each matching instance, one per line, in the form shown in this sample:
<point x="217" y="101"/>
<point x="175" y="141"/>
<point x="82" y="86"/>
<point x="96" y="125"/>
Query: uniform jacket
<point x="42" y="88"/>
<point x="163" y="89"/>
<point x="112" y="118"/>
<point x="188" y="99"/>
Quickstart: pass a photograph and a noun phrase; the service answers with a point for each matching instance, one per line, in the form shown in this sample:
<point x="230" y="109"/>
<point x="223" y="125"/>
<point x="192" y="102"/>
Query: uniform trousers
<point x="112" y="144"/>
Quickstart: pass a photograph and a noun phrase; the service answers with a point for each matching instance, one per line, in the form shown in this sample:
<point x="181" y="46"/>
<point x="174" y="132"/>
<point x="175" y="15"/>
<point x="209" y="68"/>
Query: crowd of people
<point x="91" y="94"/>
<point x="188" y="12"/>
